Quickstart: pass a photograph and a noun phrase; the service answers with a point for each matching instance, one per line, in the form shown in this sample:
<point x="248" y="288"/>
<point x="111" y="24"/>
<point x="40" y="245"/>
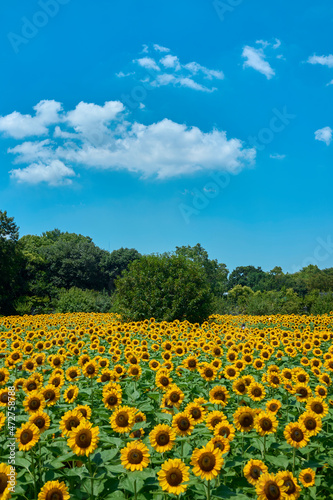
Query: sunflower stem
<point x="91" y="479"/>
<point x="294" y="459"/>
<point x="208" y="490"/>
<point x="33" y="472"/>
<point x="182" y="450"/>
<point x="135" y="493"/>
<point x="92" y="394"/>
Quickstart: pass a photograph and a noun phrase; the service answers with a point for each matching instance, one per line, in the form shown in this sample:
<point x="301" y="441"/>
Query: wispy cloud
<point x="322" y="60"/>
<point x="164" y="68"/>
<point x="256" y="57"/>
<point x="277" y="156"/>
<point x="102" y="137"/>
<point x="324" y="135"/>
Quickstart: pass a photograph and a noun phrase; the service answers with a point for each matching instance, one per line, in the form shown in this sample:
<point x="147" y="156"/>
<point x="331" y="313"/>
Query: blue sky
<point x="154" y="124"/>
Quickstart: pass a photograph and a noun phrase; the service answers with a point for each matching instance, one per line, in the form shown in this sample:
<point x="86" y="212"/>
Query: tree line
<point x="66" y="272"/>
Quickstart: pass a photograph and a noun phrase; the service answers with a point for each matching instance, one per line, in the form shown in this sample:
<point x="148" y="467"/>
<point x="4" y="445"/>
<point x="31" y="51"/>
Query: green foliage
<point x="165" y="287"/>
<point x="77" y="300"/>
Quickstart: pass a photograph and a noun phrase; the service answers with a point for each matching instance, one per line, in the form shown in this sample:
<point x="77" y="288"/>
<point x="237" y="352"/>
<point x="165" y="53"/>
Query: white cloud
<point x="163" y="149"/>
<point x="145" y="49"/>
<point x="277" y="43"/>
<point x="121" y="74"/>
<point x="19" y="126"/>
<point x="170" y="61"/>
<point x="159" y="48"/>
<point x="324" y="135"/>
<point x="329" y="83"/>
<point x="323" y="60"/>
<point x="55" y="173"/>
<point x="256" y="59"/>
<point x="147" y="62"/>
<point x="190" y="75"/>
<point x="277" y="156"/>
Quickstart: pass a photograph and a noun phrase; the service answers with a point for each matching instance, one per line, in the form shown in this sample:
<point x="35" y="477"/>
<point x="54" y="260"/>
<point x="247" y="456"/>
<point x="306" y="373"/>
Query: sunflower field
<point x="235" y="408"/>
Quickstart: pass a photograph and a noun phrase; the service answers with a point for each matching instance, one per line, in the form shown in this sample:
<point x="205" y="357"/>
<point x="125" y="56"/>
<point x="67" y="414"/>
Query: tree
<point x="253" y="277"/>
<point x="114" y="263"/>
<point x="166" y="287"/>
<point x="10" y="263"/>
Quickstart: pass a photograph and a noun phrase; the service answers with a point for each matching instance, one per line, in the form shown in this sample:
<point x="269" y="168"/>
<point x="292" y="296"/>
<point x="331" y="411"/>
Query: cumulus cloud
<point x="163" y="149"/>
<point x="20" y="126"/>
<point x="324" y="135"/>
<point x="55" y="173"/>
<point x="164" y="68"/>
<point x="256" y="59"/>
<point x="322" y="60"/>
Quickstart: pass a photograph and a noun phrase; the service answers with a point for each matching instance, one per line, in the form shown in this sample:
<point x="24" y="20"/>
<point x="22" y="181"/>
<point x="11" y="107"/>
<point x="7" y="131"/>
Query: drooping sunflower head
<point x="253" y="470"/>
<point x="173" y="476"/>
<point x="162" y="438"/>
<point x="54" y="490"/>
<point x="83" y="439"/>
<point x="135" y="456"/>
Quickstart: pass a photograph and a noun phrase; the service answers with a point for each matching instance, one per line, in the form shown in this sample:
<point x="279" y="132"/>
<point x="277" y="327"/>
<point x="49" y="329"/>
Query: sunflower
<point x="4" y="397"/>
<point x="162" y="438"/>
<point x="122" y="419"/>
<point x="2" y="419"/>
<point x="183" y="424"/>
<point x="224" y="429"/>
<point x="172" y="476"/>
<point x="174" y="396"/>
<point x="321" y="391"/>
<point x="90" y="369"/>
<point x="256" y="391"/>
<point x="70" y="420"/>
<point x="270" y="487"/>
<point x="222" y="443"/>
<point x="207" y="371"/>
<point x="273" y="405"/>
<point x="112" y="398"/>
<point x="213" y="418"/>
<point x="302" y="392"/>
<point x="135" y="371"/>
<point x="196" y="411"/>
<point x="296" y="435"/>
<point x="27" y="436"/>
<point x="311" y="422"/>
<point x="318" y="406"/>
<point x="7" y="481"/>
<point x="41" y="420"/>
<point x="72" y="373"/>
<point x="191" y="363"/>
<point x="83" y="439"/>
<point x="85" y="411"/>
<point x="207" y="462"/>
<point x="34" y="402"/>
<point x="154" y="365"/>
<point x="230" y="372"/>
<point x="244" y="418"/>
<point x="56" y="490"/>
<point x="71" y="393"/>
<point x="135" y="456"/>
<point x="105" y="376"/>
<point x="239" y="386"/>
<point x="219" y="395"/>
<point x="290" y="482"/>
<point x="4" y="376"/>
<point x="163" y="380"/>
<point x="253" y="469"/>
<point x="51" y="394"/>
<point x="307" y="477"/>
<point x="265" y="423"/>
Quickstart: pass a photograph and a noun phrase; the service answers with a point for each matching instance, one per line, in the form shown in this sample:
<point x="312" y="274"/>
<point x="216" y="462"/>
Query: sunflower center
<point x="215" y="421"/>
<point x="70" y="393"/>
<point x="90" y="370"/>
<point x="266" y="424"/>
<point x="164" y="381"/>
<point x="224" y="431"/>
<point x="72" y="422"/>
<point x="255" y="472"/>
<point x="231" y="372"/>
<point x="34" y="404"/>
<point x="272" y="491"/>
<point x="307" y="478"/>
<point x="54" y="494"/>
<point x="135" y="456"/>
<point x="4" y="397"/>
<point x="83" y="438"/>
<point x="192" y="363"/>
<point x="162" y="438"/>
<point x="318" y="408"/>
<point x="49" y="395"/>
<point x="290" y="485"/>
<point x="303" y="392"/>
<point x="32" y="386"/>
<point x="73" y="374"/>
<point x="174" y="397"/>
<point x="322" y="392"/>
<point x="174" y="477"/>
<point x="30" y="365"/>
<point x="39" y="422"/>
<point x="122" y="420"/>
<point x="256" y="392"/>
<point x="112" y="400"/>
<point x="297" y="435"/>
<point x="3" y="482"/>
<point x="220" y="395"/>
<point x="15" y="356"/>
<point x="246" y="420"/>
<point x="184" y="424"/>
<point x="207" y="461"/>
<point x="26" y="436"/>
<point x="119" y="370"/>
<point x="2" y="376"/>
<point x="273" y="407"/>
<point x="209" y="372"/>
<point x="275" y="380"/>
<point x="241" y="387"/>
<point x="302" y="378"/>
<point x="135" y="371"/>
<point x="310" y="424"/>
<point x="196" y="413"/>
